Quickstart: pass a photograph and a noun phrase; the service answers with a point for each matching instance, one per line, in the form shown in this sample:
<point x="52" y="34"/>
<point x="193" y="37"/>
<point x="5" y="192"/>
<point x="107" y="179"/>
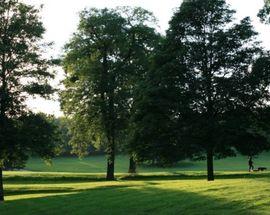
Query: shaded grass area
<point x="97" y="164"/>
<point x="73" y="186"/>
<point x="14" y="177"/>
<point x="188" y="193"/>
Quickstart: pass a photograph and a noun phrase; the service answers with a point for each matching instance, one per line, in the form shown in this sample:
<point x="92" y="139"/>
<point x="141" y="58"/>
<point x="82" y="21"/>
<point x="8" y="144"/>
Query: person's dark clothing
<point x="250" y="163"/>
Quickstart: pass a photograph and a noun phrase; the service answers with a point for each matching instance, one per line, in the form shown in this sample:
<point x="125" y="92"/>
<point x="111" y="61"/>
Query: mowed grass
<point x="163" y="193"/>
<point x="97" y="164"/>
<point x="182" y="189"/>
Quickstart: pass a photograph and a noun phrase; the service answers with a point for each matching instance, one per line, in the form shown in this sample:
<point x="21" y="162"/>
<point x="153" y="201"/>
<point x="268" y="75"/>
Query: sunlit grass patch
<point x="190" y="193"/>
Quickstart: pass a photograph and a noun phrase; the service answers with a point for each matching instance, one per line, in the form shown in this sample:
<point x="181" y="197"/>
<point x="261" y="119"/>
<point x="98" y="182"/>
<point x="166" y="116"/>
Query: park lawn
<point x="97" y="164"/>
<point x="148" y="193"/>
<point x="74" y="186"/>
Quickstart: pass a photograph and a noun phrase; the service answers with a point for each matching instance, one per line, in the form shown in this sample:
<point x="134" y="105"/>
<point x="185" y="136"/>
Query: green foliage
<point x="208" y="89"/>
<point x="23" y="69"/>
<point x="153" y="136"/>
<point x="217" y="82"/>
<point x="24" y="72"/>
<point x="103" y="60"/>
<point x="31" y="134"/>
<point x="62" y="130"/>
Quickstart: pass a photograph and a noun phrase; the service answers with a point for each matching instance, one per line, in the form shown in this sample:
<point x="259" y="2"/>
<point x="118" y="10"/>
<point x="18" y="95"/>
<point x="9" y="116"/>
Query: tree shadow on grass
<point x="25" y="191"/>
<point x="123" y="199"/>
<point x="48" y="179"/>
<point x="57" y="190"/>
<point x="52" y="179"/>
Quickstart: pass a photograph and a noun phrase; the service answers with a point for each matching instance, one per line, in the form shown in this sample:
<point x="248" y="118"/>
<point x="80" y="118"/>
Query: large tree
<point x="23" y="71"/>
<point x="154" y="133"/>
<point x="102" y="61"/>
<point x="219" y="89"/>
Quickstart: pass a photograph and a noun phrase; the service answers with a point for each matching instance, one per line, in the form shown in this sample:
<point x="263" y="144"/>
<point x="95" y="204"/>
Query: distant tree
<point x="38" y="134"/>
<point x="62" y="125"/>
<point x="23" y="70"/>
<point x="216" y="80"/>
<point x="101" y="63"/>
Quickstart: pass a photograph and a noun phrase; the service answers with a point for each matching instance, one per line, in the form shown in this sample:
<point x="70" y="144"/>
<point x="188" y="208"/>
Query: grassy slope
<point x="69" y="193"/>
<point x="97" y="164"/>
<point x="154" y="191"/>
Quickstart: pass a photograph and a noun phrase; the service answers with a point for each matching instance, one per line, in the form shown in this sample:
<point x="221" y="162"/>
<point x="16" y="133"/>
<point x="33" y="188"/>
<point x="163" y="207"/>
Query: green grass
<point x="68" y="193"/>
<point x="97" y="164"/>
<point x="179" y="190"/>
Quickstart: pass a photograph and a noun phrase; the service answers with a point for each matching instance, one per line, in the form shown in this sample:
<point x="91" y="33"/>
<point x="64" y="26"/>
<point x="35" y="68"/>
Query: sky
<point x="60" y="18"/>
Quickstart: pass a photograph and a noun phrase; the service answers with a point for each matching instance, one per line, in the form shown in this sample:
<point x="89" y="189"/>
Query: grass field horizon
<point x="78" y="186"/>
<point x="97" y="164"/>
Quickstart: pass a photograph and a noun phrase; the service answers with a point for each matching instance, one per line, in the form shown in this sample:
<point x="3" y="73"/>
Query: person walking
<point x="250" y="164"/>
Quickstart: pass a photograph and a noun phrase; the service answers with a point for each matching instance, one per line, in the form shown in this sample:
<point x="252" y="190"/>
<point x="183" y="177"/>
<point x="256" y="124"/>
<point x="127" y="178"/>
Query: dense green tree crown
<point x="209" y="88"/>
<point x="217" y="58"/>
<point x="102" y="64"/>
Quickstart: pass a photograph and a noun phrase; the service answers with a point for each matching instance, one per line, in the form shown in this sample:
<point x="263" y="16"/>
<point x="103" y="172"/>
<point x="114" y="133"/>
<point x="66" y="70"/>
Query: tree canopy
<point x="208" y="91"/>
<point x="102" y="61"/>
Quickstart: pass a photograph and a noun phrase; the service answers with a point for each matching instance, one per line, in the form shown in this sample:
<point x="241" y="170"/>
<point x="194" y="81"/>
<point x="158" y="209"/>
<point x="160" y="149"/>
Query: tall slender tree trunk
<point x="210" y="165"/>
<point x="108" y="119"/>
<point x="111" y="139"/>
<point x="110" y="161"/>
<point x="1" y="186"/>
<point x="3" y="97"/>
<point x="2" y="127"/>
<point x="132" y="165"/>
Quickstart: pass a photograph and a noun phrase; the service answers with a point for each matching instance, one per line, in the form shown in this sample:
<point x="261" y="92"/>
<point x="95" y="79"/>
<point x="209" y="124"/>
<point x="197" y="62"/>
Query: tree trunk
<point x="110" y="170"/>
<point x="3" y="99"/>
<point x="108" y="120"/>
<point x="132" y="165"/>
<point x="210" y="165"/>
<point x="1" y="186"/>
<point x="110" y="161"/>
